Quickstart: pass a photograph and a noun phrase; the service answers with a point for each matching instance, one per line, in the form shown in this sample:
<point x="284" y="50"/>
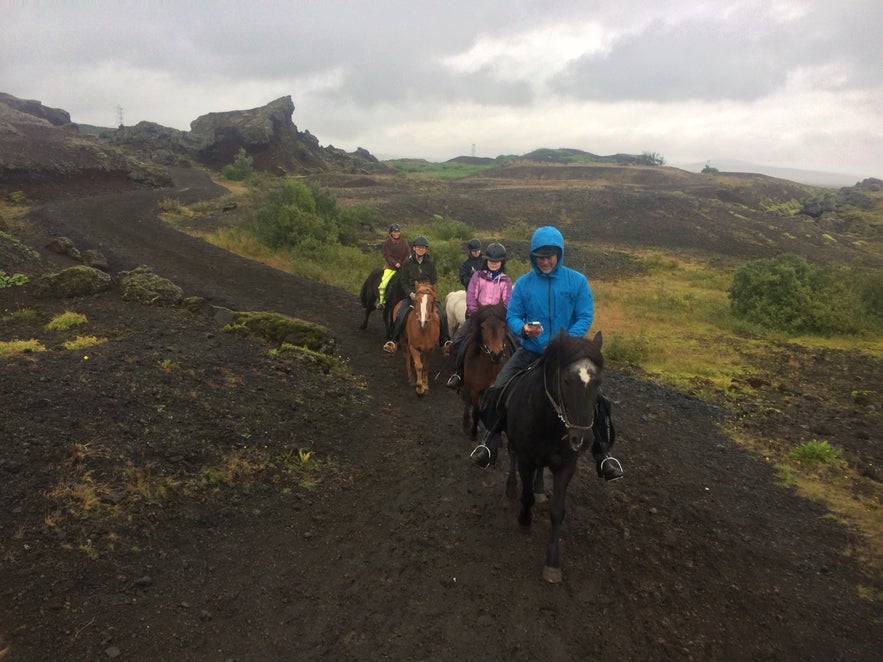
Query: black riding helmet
<point x="474" y="245"/>
<point x="495" y="251"/>
<point x="420" y="241"/>
<point x="395" y="227"/>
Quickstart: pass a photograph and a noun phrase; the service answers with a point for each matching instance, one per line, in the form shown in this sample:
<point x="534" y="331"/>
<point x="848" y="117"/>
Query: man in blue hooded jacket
<point x="557" y="297"/>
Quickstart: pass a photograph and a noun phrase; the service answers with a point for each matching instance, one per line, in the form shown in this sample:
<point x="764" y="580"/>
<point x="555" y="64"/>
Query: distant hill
<point x="562" y="155"/>
<point x="568" y="155"/>
<point x="810" y="177"/>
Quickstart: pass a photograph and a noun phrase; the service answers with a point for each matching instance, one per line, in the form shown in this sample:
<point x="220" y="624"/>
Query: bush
<point x="788" y="294"/>
<point x="448" y="228"/>
<point x="294" y="214"/>
<point x="241" y="169"/>
<point x="354" y="220"/>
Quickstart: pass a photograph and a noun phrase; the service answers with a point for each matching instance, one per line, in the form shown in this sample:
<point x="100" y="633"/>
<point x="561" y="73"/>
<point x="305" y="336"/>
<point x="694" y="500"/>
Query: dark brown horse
<point x="550" y="420"/>
<point x="487" y="349"/>
<point x="420" y="336"/>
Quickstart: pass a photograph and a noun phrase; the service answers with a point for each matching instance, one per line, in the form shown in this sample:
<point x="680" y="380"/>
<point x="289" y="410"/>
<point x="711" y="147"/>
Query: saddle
<point x="497" y="399"/>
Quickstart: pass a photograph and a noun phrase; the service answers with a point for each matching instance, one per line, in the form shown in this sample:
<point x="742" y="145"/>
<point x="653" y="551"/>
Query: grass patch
<point x="167" y="365"/>
<point x="817" y="471"/>
<point x="815" y="454"/>
<point x="242" y="466"/>
<point x="67" y="320"/>
<point x="25" y="315"/>
<point x="94" y="497"/>
<point x="10" y="347"/>
<point x="440" y="171"/>
<point x="83" y="342"/>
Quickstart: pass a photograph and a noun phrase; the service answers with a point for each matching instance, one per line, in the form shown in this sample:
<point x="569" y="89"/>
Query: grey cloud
<point x="744" y="58"/>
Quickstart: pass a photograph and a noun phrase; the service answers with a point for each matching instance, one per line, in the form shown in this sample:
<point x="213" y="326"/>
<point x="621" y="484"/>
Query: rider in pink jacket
<point x="488" y="286"/>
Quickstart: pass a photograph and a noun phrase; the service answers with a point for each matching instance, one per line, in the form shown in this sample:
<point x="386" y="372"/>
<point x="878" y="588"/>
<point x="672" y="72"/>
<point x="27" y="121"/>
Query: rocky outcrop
<point x="271" y="139"/>
<point x="858" y="196"/>
<point x="155" y="142"/>
<point x="267" y="134"/>
<point x="43" y="156"/>
<point x="55" y="116"/>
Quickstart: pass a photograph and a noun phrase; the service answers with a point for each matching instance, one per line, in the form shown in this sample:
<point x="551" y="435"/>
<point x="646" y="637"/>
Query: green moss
<point x="281" y="329"/>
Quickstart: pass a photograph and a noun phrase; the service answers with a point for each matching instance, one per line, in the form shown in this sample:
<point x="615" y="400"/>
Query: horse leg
<point x="473" y="432"/>
<point x="539" y="487"/>
<point x="557" y="510"/>
<point x="467" y="413"/>
<point x="525" y="470"/>
<point x="409" y="368"/>
<point x="511" y="481"/>
<point x="424" y="371"/>
<point x="364" y="324"/>
<point x="418" y="370"/>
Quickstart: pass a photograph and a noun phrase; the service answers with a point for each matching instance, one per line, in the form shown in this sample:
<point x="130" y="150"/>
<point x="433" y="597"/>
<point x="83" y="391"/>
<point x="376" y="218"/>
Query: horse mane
<point x="566" y="349"/>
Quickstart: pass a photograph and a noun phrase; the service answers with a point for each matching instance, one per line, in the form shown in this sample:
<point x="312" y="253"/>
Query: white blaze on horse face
<point x="423" y="315"/>
<point x="586" y="370"/>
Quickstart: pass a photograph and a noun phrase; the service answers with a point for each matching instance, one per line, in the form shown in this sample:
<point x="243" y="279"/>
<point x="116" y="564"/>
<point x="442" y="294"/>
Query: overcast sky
<point x="791" y="83"/>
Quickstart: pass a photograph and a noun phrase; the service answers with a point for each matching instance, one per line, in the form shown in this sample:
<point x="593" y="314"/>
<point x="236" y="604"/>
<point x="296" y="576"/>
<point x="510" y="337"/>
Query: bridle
<point x="561" y="411"/>
<point x="495" y="358"/>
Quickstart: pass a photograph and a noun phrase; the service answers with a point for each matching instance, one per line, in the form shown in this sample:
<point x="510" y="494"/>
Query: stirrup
<point x="390" y="347"/>
<point x="454" y="381"/>
<point x="613" y="472"/>
<point x="481" y="456"/>
<point x="380" y="305"/>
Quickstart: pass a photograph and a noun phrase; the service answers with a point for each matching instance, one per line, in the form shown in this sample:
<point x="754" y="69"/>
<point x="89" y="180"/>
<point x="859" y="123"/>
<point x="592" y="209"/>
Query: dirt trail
<point x="696" y="554"/>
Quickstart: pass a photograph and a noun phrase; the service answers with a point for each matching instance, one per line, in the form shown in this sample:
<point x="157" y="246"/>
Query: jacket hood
<point x="547" y="236"/>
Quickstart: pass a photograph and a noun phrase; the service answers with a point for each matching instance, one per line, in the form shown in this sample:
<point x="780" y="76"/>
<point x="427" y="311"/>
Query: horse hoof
<point x="552" y="575"/>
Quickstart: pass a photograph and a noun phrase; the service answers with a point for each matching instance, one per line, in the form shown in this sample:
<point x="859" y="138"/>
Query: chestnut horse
<point x="420" y="336"/>
<point x="487" y="350"/>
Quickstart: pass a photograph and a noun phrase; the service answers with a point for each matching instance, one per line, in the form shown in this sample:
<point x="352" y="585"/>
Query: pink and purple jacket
<point x="486" y="289"/>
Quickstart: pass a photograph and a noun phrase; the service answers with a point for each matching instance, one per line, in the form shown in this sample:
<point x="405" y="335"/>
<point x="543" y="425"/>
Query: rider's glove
<point x="413" y="296"/>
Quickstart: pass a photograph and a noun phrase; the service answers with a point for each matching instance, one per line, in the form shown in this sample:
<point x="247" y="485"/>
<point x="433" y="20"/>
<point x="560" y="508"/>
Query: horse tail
<point x="363" y="293"/>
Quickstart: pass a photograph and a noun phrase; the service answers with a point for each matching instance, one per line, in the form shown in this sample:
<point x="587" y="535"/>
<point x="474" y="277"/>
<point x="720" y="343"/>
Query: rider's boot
<point x="494" y="417"/>
<point x="608" y="468"/>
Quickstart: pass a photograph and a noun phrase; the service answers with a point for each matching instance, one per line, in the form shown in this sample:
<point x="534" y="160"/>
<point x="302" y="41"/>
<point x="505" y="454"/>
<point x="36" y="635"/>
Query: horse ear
<point x="598" y="340"/>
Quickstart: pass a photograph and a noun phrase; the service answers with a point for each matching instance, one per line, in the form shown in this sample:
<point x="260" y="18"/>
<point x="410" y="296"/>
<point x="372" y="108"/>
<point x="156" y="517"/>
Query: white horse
<point x="455" y="309"/>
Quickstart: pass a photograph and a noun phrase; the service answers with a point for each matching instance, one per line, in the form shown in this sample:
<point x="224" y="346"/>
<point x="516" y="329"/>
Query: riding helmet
<point x="395" y="227"/>
<point x="495" y="251"/>
<point x="474" y="245"/>
<point x="420" y="240"/>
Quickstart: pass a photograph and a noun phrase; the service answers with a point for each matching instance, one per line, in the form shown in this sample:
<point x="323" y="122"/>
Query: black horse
<point x="370" y="293"/>
<point x="550" y="420"/>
